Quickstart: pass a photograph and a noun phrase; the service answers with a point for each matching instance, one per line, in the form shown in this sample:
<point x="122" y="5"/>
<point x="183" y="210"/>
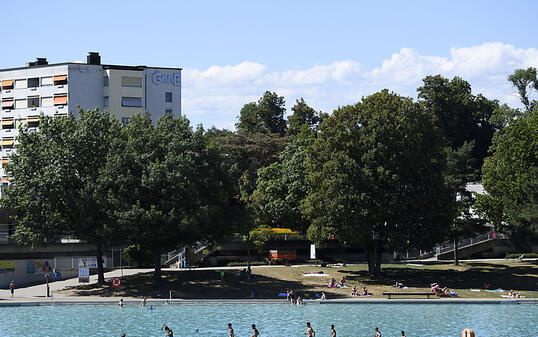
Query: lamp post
<point x="47" y="278"/>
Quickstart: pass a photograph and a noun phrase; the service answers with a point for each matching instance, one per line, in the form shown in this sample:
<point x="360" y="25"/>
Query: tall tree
<point x="281" y="187"/>
<point x="525" y="80"/>
<point x="171" y="188"/>
<point x="302" y="113"/>
<point x="57" y="185"/>
<point x="462" y="116"/>
<point x="265" y="116"/>
<point x="509" y="177"/>
<point x="459" y="173"/>
<point x="376" y="174"/>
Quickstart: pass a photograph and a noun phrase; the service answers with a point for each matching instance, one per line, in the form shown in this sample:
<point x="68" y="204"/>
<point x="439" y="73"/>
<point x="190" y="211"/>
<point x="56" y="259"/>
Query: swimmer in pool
<point x="309" y="331"/>
<point x="376" y="333"/>
<point x="333" y="332"/>
<point x="255" y="332"/>
<point x="230" y="330"/>
<point x="169" y="332"/>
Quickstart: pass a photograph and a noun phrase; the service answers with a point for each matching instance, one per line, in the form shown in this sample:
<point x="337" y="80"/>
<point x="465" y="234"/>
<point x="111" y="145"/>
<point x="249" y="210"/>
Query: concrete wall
<point x="115" y="92"/>
<point x="158" y="82"/>
<point x="85" y="87"/>
<point x="33" y="271"/>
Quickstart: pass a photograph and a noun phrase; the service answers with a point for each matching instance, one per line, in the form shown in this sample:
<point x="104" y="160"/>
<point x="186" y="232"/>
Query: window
<point x="60" y="115"/>
<point x="8" y="124"/>
<point x="106" y="79"/>
<point x="46" y="101"/>
<point x="5" y="160"/>
<point x="21" y="103"/>
<point x="168" y="111"/>
<point x="8" y="103"/>
<point x="20" y="84"/>
<point x="33" y="82"/>
<point x="33" y="101"/>
<point x="60" y="80"/>
<point x="125" y="120"/>
<point x="46" y="81"/>
<point x="168" y="97"/>
<point x="7" y="143"/>
<point x="131" y="102"/>
<point x="131" y="81"/>
<point x="60" y="99"/>
<point x="7" y="84"/>
<point x="33" y="121"/>
<point x="106" y="102"/>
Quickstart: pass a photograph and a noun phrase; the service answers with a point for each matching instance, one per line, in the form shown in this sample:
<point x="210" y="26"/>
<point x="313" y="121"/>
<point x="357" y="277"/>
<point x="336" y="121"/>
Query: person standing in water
<point x="333" y="332"/>
<point x="255" y="332"/>
<point x="376" y="333"/>
<point x="309" y="331"/>
<point x="230" y="330"/>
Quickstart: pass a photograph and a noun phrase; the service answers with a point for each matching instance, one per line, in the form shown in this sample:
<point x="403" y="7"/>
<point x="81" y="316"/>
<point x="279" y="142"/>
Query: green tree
<point x="509" y="177"/>
<point x="265" y="116"/>
<point x="302" y="113"/>
<point x="281" y="187"/>
<point x="58" y="179"/>
<point x="171" y="189"/>
<point x="459" y="173"/>
<point x="462" y="116"/>
<point x="525" y="80"/>
<point x="376" y="174"/>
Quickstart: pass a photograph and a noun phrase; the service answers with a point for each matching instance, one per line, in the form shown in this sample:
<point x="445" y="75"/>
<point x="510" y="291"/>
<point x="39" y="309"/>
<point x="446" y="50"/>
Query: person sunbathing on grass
<point x="365" y="292"/>
<point x="354" y="291"/>
<point x="332" y="283"/>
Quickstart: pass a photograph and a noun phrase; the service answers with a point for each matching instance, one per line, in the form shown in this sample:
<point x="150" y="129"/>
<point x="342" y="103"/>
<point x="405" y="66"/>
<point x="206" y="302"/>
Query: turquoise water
<point x="282" y="320"/>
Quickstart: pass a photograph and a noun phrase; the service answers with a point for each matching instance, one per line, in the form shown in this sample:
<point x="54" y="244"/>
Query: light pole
<point x="47" y="278"/>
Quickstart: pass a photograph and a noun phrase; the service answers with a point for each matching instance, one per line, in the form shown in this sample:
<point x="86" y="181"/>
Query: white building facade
<point x="57" y="90"/>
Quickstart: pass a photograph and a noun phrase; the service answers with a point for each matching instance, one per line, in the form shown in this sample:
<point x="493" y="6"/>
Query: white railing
<point x="449" y="246"/>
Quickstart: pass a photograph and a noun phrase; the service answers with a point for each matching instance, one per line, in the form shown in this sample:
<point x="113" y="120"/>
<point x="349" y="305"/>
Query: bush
<point x="134" y="255"/>
<point x="522" y="255"/>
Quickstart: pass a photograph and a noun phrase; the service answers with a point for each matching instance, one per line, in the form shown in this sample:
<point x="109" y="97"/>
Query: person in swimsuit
<point x="403" y="333"/>
<point x="376" y="333"/>
<point x="230" y="330"/>
<point x="255" y="332"/>
<point x="169" y="332"/>
<point x="12" y="287"/>
<point x="120" y="303"/>
<point x="333" y="332"/>
<point x="309" y="331"/>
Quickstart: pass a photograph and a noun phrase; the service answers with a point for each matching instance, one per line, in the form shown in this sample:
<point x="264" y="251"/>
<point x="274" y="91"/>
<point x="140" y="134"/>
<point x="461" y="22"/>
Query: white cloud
<point x="214" y="96"/>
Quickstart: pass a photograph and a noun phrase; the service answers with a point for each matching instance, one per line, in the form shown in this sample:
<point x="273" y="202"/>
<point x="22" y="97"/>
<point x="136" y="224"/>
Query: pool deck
<point x="36" y="295"/>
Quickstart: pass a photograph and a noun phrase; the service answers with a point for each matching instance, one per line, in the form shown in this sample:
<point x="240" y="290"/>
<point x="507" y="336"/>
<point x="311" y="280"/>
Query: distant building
<point x="58" y="89"/>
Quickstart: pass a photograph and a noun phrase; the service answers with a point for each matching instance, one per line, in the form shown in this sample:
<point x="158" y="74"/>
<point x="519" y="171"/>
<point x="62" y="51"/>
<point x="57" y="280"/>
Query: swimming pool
<point x="272" y="320"/>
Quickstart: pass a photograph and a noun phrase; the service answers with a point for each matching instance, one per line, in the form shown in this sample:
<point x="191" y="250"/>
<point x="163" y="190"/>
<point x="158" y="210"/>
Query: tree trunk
<point x="373" y="255"/>
<point x="456" y="261"/>
<point x="157" y="265"/>
<point x="379" y="254"/>
<point x="100" y="269"/>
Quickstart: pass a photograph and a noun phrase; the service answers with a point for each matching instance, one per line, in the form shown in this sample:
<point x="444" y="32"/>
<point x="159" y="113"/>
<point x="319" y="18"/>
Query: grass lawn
<point x="270" y="281"/>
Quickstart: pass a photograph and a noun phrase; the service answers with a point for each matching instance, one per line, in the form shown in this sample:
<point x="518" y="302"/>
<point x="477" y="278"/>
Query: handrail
<point x="449" y="246"/>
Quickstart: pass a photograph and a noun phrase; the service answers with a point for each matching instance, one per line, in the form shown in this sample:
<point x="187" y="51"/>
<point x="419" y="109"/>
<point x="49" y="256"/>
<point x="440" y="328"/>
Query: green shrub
<point x="134" y="255"/>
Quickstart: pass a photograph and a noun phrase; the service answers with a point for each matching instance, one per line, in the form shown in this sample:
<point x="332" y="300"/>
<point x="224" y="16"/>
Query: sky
<point x="331" y="53"/>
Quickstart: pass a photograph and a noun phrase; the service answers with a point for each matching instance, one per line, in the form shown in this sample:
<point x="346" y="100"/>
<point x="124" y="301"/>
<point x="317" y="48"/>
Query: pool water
<point x="272" y="320"/>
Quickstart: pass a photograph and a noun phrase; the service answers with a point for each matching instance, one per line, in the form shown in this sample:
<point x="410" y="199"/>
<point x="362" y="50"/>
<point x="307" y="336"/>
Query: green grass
<point x="518" y="275"/>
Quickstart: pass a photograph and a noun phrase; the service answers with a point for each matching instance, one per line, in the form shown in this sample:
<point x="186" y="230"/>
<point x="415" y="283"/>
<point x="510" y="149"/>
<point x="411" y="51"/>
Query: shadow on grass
<point x="201" y="284"/>
<point x="523" y="277"/>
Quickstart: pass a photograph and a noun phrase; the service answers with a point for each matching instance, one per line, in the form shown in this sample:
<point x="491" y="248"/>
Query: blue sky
<point x="330" y="53"/>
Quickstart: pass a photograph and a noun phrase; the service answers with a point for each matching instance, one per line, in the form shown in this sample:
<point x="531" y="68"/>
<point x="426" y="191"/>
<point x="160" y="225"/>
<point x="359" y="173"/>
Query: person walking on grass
<point x="12" y="287"/>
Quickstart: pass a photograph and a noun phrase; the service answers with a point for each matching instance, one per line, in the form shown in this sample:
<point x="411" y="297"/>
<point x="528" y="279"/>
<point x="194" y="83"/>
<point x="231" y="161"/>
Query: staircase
<point x="480" y="240"/>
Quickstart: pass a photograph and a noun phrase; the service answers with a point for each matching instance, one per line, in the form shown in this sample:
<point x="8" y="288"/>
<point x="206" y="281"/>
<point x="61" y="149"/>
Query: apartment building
<point x="59" y="89"/>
